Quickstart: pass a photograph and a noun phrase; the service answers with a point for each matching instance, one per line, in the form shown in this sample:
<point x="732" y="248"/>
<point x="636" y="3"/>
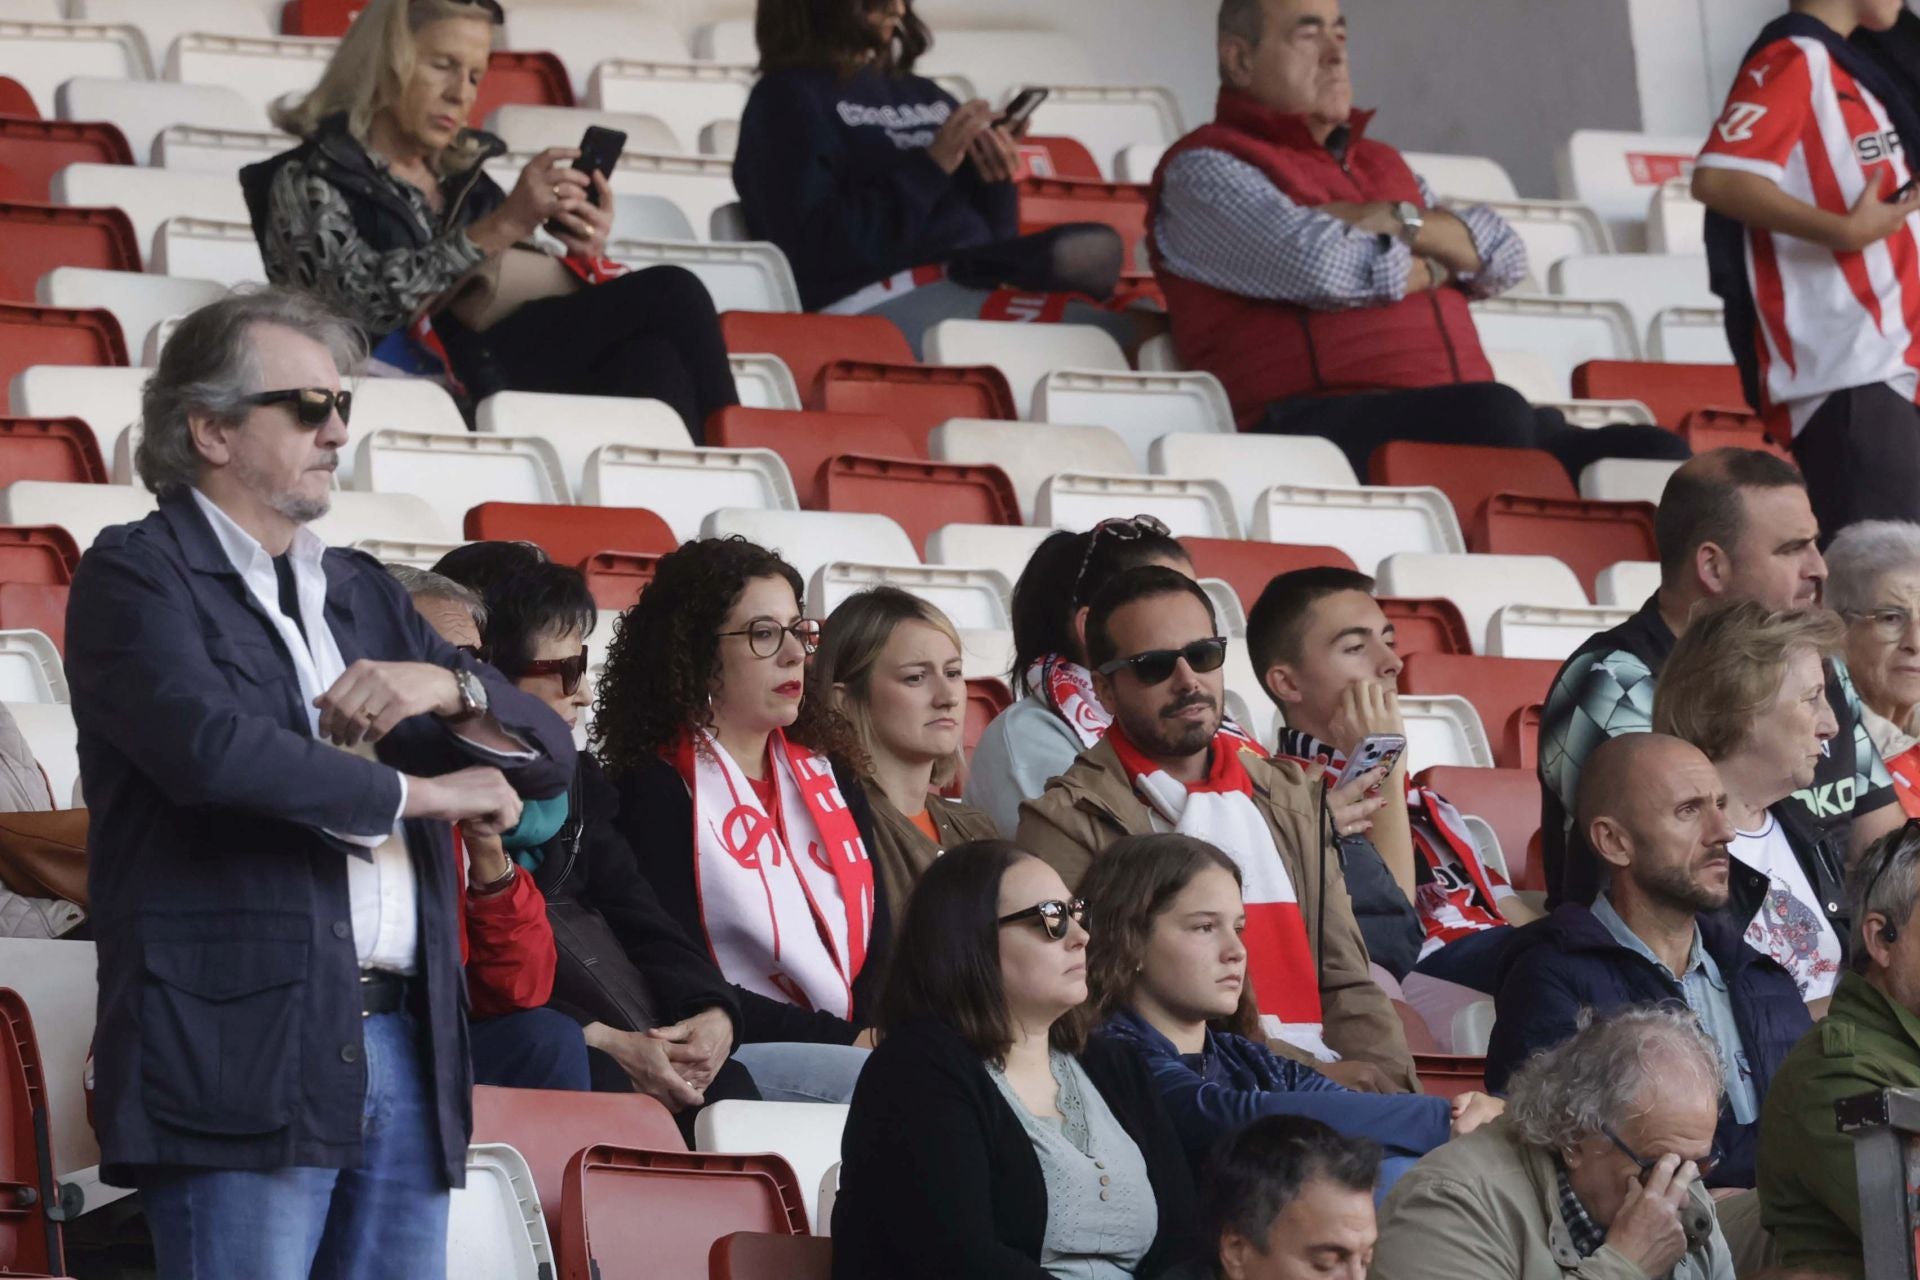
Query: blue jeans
<point x="385" y="1220"/>
<point x="793" y="1071"/>
<point x="530" y="1049"/>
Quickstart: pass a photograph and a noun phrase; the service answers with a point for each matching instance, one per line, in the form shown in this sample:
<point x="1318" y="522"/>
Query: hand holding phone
<point x="1021" y="109"/>
<point x="1376" y="751"/>
<point x="600" y="151"/>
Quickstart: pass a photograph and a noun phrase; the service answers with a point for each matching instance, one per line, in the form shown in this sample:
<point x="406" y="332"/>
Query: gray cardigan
<point x="1027" y="746"/>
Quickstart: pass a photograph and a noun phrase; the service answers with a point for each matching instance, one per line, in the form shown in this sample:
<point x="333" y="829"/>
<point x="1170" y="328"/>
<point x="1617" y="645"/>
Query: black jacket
<point x="939" y="1181"/>
<point x="229" y="1028"/>
<point x="656" y="817"/>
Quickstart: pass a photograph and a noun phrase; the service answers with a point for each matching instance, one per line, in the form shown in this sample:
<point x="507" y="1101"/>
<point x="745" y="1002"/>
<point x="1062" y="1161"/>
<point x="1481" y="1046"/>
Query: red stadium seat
<point x="629" y="1214"/>
<point x="1705" y="429"/>
<point x="919" y="496"/>
<point x="1497" y="687"/>
<point x="1536" y="877"/>
<point x="808" y="343"/>
<point x="986" y="698"/>
<point x="16" y="101"/>
<point x="37" y="607"/>
<point x="1670" y="390"/>
<point x="1420" y="1037"/>
<point x="52" y="335"/>
<point x="1469" y="474"/>
<point x="1249" y="566"/>
<point x="918" y="397"/>
<point x="318" y="17"/>
<point x="571" y="534"/>
<point x="616" y="578"/>
<point x="752" y="1255"/>
<point x="806" y="440"/>
<point x="1426" y="626"/>
<point x="36" y="238"/>
<point x="1520" y="740"/>
<point x="30" y="1241"/>
<point x="1051" y="202"/>
<point x="526" y="77"/>
<point x="37" y="554"/>
<point x="1585" y="534"/>
<point x="32" y="151"/>
<point x="1509" y="799"/>
<point x="1448" y="1075"/>
<point x="1057" y="157"/>
<point x="61" y="449"/>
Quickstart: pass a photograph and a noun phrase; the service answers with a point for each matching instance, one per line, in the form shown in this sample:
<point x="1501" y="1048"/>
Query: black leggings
<point x="1860" y="453"/>
<point x="1487" y="413"/>
<point x="650" y="333"/>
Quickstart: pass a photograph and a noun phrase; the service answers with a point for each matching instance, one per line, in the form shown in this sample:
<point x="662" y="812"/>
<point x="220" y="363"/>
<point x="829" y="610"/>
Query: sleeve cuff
<point x="1387" y="274"/>
<point x="374" y="842"/>
<point x="1773" y="173"/>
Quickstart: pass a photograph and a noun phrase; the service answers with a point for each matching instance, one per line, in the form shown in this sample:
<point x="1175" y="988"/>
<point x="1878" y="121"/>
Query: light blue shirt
<point x="1708" y="997"/>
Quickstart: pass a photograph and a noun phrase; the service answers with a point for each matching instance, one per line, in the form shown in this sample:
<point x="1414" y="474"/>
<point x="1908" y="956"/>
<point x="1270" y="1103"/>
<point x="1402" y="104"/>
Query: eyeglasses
<point x="1053" y="915"/>
<point x="1130" y="530"/>
<point x="1889" y="624"/>
<point x="1155" y="666"/>
<point x="1706" y="1165"/>
<point x="765" y="635"/>
<point x="312" y="406"/>
<point x="570" y="670"/>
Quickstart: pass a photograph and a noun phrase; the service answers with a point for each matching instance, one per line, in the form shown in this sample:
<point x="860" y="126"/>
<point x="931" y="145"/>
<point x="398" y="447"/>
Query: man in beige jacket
<point x="1167" y="764"/>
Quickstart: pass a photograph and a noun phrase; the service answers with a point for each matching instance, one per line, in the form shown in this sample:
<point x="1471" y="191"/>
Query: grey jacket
<point x="1027" y="746"/>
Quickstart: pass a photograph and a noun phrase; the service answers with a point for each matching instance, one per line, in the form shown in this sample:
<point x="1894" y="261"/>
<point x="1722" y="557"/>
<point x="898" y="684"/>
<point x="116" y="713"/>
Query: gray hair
<point x="1606" y="1073"/>
<point x="1884" y="881"/>
<point x="208" y="367"/>
<point x="425" y="584"/>
<point x="1862" y="554"/>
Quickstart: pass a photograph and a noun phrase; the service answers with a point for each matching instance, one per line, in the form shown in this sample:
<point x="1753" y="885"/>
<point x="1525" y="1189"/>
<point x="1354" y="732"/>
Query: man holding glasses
<point x="1167" y="764"/>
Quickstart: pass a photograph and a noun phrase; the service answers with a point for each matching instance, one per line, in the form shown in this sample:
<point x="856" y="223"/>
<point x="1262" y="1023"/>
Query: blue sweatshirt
<point x="837" y="174"/>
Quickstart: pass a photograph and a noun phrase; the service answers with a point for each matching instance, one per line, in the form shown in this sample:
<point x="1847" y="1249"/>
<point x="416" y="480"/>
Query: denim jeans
<point x="530" y="1049"/>
<point x="793" y="1071"/>
<point x="385" y="1220"/>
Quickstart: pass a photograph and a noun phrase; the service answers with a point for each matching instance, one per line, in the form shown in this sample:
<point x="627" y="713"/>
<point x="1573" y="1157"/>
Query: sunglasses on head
<point x="1155" y="666"/>
<point x="569" y="669"/>
<point x="312" y="406"/>
<point x="1053" y="915"/>
<point x="1126" y="530"/>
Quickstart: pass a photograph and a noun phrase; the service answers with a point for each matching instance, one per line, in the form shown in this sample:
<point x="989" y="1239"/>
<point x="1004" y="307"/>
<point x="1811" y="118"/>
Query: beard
<point x="1160" y="736"/>
<point x="1682" y="887"/>
<point x="289" y="502"/>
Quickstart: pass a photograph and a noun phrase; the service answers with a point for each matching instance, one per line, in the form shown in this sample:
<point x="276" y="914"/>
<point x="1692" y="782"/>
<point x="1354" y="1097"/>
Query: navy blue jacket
<point x="1554" y="968"/>
<point x="229" y="1014"/>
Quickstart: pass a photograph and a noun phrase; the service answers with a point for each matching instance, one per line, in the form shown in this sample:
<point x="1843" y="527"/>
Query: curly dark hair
<point x="664" y="657"/>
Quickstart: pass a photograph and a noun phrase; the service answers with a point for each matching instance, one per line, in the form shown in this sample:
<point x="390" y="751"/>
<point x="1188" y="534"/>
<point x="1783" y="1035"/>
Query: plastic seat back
<point x="1586" y="535"/>
<point x="1250" y="566"/>
<point x="16" y="101"/>
<point x="1469" y="474"/>
<point x="808" y="343"/>
<point x="1188" y="507"/>
<point x="530" y="76"/>
<point x="690" y="97"/>
<point x="919" y="496"/>
<point x="1052" y="202"/>
<point x="1029" y="452"/>
<point x="1426" y="625"/>
<point x="1057" y="157"/>
<point x="584" y="34"/>
<point x="260" y="69"/>
<point x="1109" y="118"/>
<point x="616" y="579"/>
<point x="986" y="698"/>
<point x="628" y="1214"/>
<point x="917" y="397"/>
<point x="1470" y="178"/>
<point x="1645" y="283"/>
<point x="1617" y="172"/>
<point x="1002" y="548"/>
<point x="754" y="1255"/>
<point x="1369" y="523"/>
<point x="1141" y="408"/>
<point x="1480" y="584"/>
<point x="1563" y="332"/>
<point x="810" y="539"/>
<point x="42" y="56"/>
<point x="36" y="239"/>
<point x="30" y="1242"/>
<point x="149" y="197"/>
<point x="805" y="441"/>
<point x="575" y="426"/>
<point x="61" y="449"/>
<point x="1705" y="429"/>
<point x="32" y="151"/>
<point x="447" y="471"/>
<point x="528" y="127"/>
<point x="1025" y="353"/>
<point x="139" y="300"/>
<point x="1626" y="479"/>
<point x="37" y="555"/>
<point x="495" y="1227"/>
<point x="1509" y="800"/>
<point x="1248" y="465"/>
<point x="1670" y="390"/>
<point x="1447" y="1075"/>
<point x="804" y="1134"/>
<point x="1626" y="585"/>
<point x="571" y="534"/>
<point x="32" y="335"/>
<point x="1497" y="687"/>
<point x="751" y="275"/>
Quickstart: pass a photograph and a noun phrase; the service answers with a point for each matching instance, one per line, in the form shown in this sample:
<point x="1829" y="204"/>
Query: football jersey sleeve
<point x="1766" y="114"/>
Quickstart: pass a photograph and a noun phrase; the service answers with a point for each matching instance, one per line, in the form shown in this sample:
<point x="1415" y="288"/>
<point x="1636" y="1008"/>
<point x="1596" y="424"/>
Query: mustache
<point x="1195" y="699"/>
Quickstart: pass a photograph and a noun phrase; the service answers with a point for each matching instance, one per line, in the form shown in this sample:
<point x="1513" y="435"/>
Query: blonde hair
<point x="1729" y="665"/>
<point x="856" y="632"/>
<point x="369" y="71"/>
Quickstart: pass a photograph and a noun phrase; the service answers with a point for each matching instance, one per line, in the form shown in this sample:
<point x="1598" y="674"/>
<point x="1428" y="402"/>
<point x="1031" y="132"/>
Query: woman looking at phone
<point x="384" y="211"/>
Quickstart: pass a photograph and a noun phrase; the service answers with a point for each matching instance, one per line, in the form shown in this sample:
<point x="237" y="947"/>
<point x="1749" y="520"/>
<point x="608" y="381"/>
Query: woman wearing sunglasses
<point x="384" y="211"/>
<point x="988" y="1138"/>
<point x="738" y="796"/>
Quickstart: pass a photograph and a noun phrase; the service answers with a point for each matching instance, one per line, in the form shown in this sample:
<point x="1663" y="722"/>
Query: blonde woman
<point x="384" y="211"/>
<point x="891" y="662"/>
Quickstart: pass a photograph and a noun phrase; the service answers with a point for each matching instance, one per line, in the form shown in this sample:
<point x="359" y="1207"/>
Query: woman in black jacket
<point x="741" y="799"/>
<point x="988" y="1139"/>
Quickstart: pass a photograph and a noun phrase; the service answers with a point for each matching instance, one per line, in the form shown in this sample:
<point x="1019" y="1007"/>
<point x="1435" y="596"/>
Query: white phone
<point x="1377" y="750"/>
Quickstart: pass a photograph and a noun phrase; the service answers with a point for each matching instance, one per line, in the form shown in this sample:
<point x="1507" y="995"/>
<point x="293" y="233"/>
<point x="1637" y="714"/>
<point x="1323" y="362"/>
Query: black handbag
<point x="593" y="979"/>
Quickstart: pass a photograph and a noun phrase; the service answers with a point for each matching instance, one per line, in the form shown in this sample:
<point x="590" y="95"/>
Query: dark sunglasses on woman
<point x="312" y="406"/>
<point x="570" y="670"/>
<point x="1156" y="666"/>
<point x="1053" y="915"/>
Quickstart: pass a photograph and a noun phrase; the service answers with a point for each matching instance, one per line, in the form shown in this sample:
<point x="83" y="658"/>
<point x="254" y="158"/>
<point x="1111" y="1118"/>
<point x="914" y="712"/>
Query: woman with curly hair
<point x="739" y="798"/>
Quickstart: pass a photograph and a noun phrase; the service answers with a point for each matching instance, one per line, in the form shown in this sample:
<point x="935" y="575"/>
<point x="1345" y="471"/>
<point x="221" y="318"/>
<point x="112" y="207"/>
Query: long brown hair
<point x="1126" y="890"/>
<point x="811" y="35"/>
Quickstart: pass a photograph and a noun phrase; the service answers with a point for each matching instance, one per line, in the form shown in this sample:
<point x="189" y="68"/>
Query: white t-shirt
<point x="1790" y="926"/>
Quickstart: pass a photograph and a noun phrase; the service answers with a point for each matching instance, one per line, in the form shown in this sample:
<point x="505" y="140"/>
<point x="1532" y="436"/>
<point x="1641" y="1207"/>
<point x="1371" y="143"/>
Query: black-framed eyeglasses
<point x="1053" y="915"/>
<point x="1156" y="666"/>
<point x="570" y="670"/>
<point x="1129" y="529"/>
<point x="1889" y="624"/>
<point x="765" y="635"/>
<point x="312" y="406"/>
<point x="1705" y="1165"/>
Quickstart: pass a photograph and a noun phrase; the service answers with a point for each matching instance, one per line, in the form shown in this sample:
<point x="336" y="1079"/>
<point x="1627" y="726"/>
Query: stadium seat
<point x="698" y="184"/>
<point x="61" y="449"/>
<point x="1497" y="687"/>
<point x="986" y="698"/>
<point x="805" y="1134"/>
<point x="44" y="55"/>
<point x="37" y="555"/>
<point x="1469" y="474"/>
<point x="1552" y="230"/>
<point x="1644" y="283"/>
<point x="628" y="1214"/>
<point x="447" y="470"/>
<point x="1137" y="163"/>
<point x="720" y="138"/>
<point x="1024" y="353"/>
<point x="83" y="510"/>
<point x="682" y="486"/>
<point x="1615" y="173"/>
<point x="1626" y="585"/>
<point x="1003" y="548"/>
<point x="731" y="40"/>
<point x="108" y="400"/>
<point x="31" y="1241"/>
<point x="209" y="250"/>
<point x="495" y="1227"/>
<point x="1468" y="179"/>
<point x="574" y="425"/>
<point x="1529" y="374"/>
<point x="417" y="555"/>
<point x="140" y="109"/>
<point x="996" y="62"/>
<point x="1445" y="729"/>
<point x="1547" y="631"/>
<point x="261" y="70"/>
<point x="686" y="96"/>
<point x="16" y="101"/>
<point x="1694" y="335"/>
<point x="1248" y="465"/>
<point x="529" y="127"/>
<point x="805" y="441"/>
<point x="809" y="539"/>
<point x="150" y="196"/>
<point x="1107" y="118"/>
<point x="1029" y="452"/>
<point x="161" y="24"/>
<point x="220" y="151"/>
<point x="755" y="1255"/>
<point x="31" y="335"/>
<point x="1447" y="1075"/>
<point x="382" y="517"/>
<point x="1426" y="625"/>
<point x="1706" y="429"/>
<point x="1520" y="740"/>
<point x="1249" y="566"/>
<point x="1053" y="202"/>
<point x="329" y="18"/>
<point x="637" y="217"/>
<point x="918" y="397"/>
<point x="531" y="76"/>
<point x="30" y="670"/>
<point x="138" y="300"/>
<point x="728" y="222"/>
<point x="1670" y="390"/>
<point x="584" y="35"/>
<point x="33" y="151"/>
<point x="808" y="343"/>
<point x="1563" y="332"/>
<point x="746" y="276"/>
<point x="1196" y="508"/>
<point x="1368" y="523"/>
<point x="1508" y="799"/>
<point x="37" y="238"/>
<point x="1480" y="584"/>
<point x="571" y="535"/>
<point x="1676" y="222"/>
<point x="1626" y="480"/>
<point x="919" y="496"/>
<point x="1585" y="534"/>
<point x="1138" y="407"/>
<point x="1156" y="355"/>
<point x="399" y="404"/>
<point x="1057" y="157"/>
<point x="763" y="381"/>
<point x="616" y="578"/>
<point x="55" y="978"/>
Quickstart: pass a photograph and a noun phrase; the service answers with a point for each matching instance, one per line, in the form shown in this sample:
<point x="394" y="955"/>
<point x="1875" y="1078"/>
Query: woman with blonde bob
<point x="890" y="662"/>
<point x="383" y="210"/>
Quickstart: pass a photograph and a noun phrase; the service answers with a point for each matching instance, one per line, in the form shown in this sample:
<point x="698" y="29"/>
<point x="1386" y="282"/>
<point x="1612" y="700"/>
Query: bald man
<point x="1654" y="812"/>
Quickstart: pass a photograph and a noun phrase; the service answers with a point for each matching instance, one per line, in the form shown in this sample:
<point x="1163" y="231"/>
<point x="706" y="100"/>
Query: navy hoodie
<point x="837" y="174"/>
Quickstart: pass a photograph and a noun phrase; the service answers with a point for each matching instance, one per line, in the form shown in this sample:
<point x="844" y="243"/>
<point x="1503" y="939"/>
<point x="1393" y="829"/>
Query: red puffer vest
<point x="1265" y="351"/>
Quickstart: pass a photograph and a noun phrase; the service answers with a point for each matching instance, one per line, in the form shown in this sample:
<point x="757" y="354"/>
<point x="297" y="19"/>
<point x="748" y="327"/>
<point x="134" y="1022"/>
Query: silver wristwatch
<point x="1412" y="218"/>
<point x="473" y="696"/>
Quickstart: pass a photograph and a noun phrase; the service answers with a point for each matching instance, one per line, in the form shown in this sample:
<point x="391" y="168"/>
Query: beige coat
<point x="1485" y="1207"/>
<point x="1092" y="804"/>
<point x="901" y="850"/>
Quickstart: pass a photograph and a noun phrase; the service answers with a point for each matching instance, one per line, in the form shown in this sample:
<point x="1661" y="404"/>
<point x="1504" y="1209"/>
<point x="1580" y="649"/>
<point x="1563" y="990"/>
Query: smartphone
<point x="599" y="152"/>
<point x="1024" y="104"/>
<point x="1377" y="750"/>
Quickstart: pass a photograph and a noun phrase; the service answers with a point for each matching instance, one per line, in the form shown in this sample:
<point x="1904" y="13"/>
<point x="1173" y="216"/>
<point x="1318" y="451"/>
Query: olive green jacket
<point x="901" y="851"/>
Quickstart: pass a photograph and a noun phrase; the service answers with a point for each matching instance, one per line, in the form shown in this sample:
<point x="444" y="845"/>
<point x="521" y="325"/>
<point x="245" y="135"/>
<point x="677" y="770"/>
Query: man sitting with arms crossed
<point x="1165" y="765"/>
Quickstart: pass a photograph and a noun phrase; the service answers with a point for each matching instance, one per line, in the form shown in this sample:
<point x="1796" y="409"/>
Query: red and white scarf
<point x="1220" y="809"/>
<point x="790" y="927"/>
<point x="1067" y="687"/>
<point x="1460" y="894"/>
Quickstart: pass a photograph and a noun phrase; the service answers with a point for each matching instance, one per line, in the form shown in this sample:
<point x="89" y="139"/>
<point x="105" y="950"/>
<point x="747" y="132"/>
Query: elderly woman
<point x="1873" y="582"/>
<point x="384" y="211"/>
<point x="1593" y="1173"/>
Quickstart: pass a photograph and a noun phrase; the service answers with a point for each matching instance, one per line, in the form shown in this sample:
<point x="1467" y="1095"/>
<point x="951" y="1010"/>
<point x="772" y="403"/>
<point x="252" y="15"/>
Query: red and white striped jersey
<point x="1826" y="320"/>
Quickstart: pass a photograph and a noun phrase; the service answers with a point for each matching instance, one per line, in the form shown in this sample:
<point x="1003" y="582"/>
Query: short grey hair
<point x="1886" y="880"/>
<point x="1862" y="554"/>
<point x="208" y="367"/>
<point x="1606" y="1073"/>
<point x="425" y="584"/>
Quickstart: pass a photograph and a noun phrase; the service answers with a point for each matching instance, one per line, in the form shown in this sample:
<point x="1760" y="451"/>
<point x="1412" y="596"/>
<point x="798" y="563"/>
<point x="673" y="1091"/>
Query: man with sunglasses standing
<point x="274" y="742"/>
<point x="1167" y="763"/>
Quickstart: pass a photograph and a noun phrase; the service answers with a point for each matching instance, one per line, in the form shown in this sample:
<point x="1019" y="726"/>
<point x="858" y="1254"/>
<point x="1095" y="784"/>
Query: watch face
<point x="474" y="689"/>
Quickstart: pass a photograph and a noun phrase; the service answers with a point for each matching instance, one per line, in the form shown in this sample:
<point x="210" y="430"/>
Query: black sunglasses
<point x="570" y="670"/>
<point x="1126" y="530"/>
<point x="1155" y="666"/>
<point x="1705" y="1165"/>
<point x="311" y="405"/>
<point x="1053" y="915"/>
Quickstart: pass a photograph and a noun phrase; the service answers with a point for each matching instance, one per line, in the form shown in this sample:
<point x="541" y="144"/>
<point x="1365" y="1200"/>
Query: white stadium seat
<point x="973" y="599"/>
<point x="141" y="108"/>
<point x="1026" y="353"/>
<point x="1137" y="164"/>
<point x="42" y="56"/>
<point x="998" y="63"/>
<point x="1626" y="584"/>
<point x="584" y="35"/>
<point x="1463" y="179"/>
<point x="49" y="730"/>
<point x="1189" y="508"/>
<point x="749" y="276"/>
<point x="1547" y="631"/>
<point x="260" y="70"/>
<point x="222" y="151"/>
<point x="1689" y="335"/>
<point x="30" y="670"/>
<point x="531" y="127"/>
<point x="398" y="404"/>
<point x="1156" y="355"/>
<point x="1616" y="173"/>
<point x="727" y="223"/>
<point x="455" y="472"/>
<point x="763" y="381"/>
<point x="1552" y="230"/>
<point x="108" y="400"/>
<point x="495" y="1227"/>
<point x="685" y="96"/>
<point x="383" y="517"/>
<point x="83" y="510"/>
<point x="682" y="485"/>
<point x="1644" y="283"/>
<point x="1626" y="479"/>
<point x="1248" y="465"/>
<point x="417" y="555"/>
<point x="57" y="978"/>
<point x="139" y="300"/>
<point x="151" y="196"/>
<point x="1445" y="730"/>
<point x="577" y="425"/>
<point x="720" y="138"/>
<point x="1029" y="452"/>
<point x="638" y="217"/>
<point x="1601" y="413"/>
<point x="1368" y="522"/>
<point x="731" y="40"/>
<point x="223" y="251"/>
<point x="1481" y="584"/>
<point x="161" y="22"/>
<point x="1528" y="373"/>
<point x="34" y="10"/>
<point x="1676" y="222"/>
<point x="1563" y="332"/>
<point x="1108" y="119"/>
<point x="808" y="539"/>
<point x="1002" y="547"/>
<point x="698" y="184"/>
<point x="1137" y="407"/>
